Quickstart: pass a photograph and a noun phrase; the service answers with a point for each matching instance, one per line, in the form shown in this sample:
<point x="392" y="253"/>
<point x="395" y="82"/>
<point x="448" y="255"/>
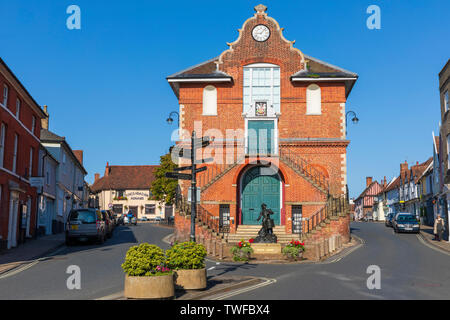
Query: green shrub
<point x="145" y="260"/>
<point x="186" y="255"/>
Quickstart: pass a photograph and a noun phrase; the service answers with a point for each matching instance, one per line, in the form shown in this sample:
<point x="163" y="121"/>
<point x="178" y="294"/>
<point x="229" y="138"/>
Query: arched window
<point x="313" y="100"/>
<point x="210" y="100"/>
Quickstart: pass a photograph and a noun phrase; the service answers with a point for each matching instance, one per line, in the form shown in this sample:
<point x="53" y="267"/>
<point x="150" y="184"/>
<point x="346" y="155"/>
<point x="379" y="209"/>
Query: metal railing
<point x="205" y="178"/>
<point x="335" y="206"/>
<point x="305" y="168"/>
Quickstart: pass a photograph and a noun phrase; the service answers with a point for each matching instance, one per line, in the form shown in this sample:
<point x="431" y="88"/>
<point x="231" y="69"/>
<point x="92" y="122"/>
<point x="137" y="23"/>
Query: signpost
<point x="196" y="143"/>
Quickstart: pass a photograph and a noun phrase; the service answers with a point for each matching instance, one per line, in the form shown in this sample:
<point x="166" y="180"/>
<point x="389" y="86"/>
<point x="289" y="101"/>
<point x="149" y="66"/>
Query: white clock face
<point x="261" y="33"/>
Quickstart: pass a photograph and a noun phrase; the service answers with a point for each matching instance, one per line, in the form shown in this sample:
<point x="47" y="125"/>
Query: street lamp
<point x="170" y="119"/>
<point x="355" y="119"/>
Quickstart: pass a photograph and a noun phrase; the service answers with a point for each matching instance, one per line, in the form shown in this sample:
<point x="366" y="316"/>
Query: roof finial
<point x="260" y="9"/>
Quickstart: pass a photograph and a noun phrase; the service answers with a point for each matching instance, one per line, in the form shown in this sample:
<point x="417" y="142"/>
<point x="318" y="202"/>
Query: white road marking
<point x="211" y="268"/>
<point x="18" y="270"/>
<point x="239" y="291"/>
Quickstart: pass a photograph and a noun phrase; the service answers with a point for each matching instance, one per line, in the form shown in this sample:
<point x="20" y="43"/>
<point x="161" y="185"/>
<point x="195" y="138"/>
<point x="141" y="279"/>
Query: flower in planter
<point x="294" y="249"/>
<point x="242" y="251"/>
<point x="251" y="240"/>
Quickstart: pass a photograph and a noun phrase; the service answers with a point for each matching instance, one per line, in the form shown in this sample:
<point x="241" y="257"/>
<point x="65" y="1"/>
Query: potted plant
<point x="187" y="259"/>
<point x="242" y="251"/>
<point x="294" y="250"/>
<point x="147" y="276"/>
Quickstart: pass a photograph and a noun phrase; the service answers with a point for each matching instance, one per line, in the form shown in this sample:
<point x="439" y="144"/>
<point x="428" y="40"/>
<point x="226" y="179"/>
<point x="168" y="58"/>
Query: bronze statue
<point x="265" y="235"/>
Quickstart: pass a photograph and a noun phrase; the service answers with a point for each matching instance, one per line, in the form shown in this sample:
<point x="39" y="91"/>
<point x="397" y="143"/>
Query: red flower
<point x="251" y="240"/>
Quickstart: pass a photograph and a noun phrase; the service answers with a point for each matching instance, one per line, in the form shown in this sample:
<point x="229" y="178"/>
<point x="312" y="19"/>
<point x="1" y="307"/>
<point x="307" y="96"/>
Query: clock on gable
<point x="261" y="33"/>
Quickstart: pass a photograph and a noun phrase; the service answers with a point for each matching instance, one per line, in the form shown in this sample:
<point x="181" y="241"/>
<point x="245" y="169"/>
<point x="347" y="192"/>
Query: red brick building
<point x="266" y="103"/>
<point x="20" y="127"/>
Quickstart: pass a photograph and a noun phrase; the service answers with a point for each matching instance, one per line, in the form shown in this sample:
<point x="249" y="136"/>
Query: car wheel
<point x="69" y="241"/>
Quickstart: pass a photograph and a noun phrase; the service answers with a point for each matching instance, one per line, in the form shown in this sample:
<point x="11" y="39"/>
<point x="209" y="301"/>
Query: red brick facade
<point x="15" y="188"/>
<point x="318" y="139"/>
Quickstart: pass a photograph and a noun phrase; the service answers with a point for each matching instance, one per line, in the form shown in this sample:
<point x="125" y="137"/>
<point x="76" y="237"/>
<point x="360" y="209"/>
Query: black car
<point x="388" y="221"/>
<point x="405" y="222"/>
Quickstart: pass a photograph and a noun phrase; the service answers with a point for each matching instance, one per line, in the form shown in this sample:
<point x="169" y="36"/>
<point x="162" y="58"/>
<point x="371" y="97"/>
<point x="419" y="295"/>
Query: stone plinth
<point x="266" y="248"/>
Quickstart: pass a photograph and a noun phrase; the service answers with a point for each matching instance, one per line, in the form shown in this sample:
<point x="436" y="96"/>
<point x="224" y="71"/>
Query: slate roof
<point x="48" y="136"/>
<point x="126" y="178"/>
<point x="207" y="69"/>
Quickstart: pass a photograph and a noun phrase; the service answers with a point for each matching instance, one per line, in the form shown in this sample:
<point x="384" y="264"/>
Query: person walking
<point x="438" y="228"/>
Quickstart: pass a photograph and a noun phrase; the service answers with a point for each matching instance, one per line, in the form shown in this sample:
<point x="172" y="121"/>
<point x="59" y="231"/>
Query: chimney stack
<point x="403" y="167"/>
<point x="368" y="181"/>
<point x="97" y="176"/>
<point x="44" y="122"/>
<point x="384" y="182"/>
<point x="107" y="169"/>
<point x="79" y="155"/>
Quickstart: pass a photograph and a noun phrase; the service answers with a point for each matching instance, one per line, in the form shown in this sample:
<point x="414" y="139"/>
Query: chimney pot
<point x="97" y="176"/>
<point x="368" y="181"/>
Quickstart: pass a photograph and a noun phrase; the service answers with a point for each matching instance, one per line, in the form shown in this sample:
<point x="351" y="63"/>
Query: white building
<point x="70" y="175"/>
<point x="124" y="188"/>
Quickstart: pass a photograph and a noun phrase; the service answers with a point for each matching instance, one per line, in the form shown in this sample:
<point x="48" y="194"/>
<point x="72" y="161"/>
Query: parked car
<point x="388" y="221"/>
<point x="144" y="219"/>
<point x="127" y="220"/>
<point x="405" y="222"/>
<point x="120" y="220"/>
<point x="109" y="223"/>
<point x="84" y="225"/>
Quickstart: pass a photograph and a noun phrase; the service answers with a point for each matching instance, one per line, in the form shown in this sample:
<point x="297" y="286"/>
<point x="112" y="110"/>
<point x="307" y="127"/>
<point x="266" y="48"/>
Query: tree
<point x="163" y="189"/>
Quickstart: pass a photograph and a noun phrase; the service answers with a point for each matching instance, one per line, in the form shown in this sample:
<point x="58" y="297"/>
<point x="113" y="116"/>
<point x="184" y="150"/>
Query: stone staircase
<point x="305" y="170"/>
<point x="247" y="232"/>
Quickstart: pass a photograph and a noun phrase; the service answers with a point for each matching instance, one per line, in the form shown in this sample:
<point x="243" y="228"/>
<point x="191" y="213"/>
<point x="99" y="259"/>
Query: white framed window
<point x="2" y="143"/>
<point x="313" y="100"/>
<point x="5" y="95"/>
<point x="18" y="108"/>
<point x="210" y="100"/>
<point x="30" y="170"/>
<point x="262" y="83"/>
<point x="446" y="106"/>
<point x="448" y="151"/>
<point x="33" y="124"/>
<point x="16" y="143"/>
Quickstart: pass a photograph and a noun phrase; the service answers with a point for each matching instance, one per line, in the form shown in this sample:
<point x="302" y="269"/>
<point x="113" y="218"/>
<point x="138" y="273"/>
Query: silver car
<point x="84" y="225"/>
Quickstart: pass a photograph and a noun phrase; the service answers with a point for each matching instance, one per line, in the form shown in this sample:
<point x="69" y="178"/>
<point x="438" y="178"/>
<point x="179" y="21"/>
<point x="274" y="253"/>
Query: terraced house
<point x="20" y="126"/>
<point x="278" y="119"/>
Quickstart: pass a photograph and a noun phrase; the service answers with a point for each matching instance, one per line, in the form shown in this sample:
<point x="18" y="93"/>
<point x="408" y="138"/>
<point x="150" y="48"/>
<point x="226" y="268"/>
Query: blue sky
<point x="107" y="94"/>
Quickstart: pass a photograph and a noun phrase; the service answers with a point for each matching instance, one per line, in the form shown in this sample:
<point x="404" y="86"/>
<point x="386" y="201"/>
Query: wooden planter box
<point x="194" y="279"/>
<point x="156" y="287"/>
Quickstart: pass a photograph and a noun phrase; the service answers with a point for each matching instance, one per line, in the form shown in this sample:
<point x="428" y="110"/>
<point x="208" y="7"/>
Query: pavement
<point x="28" y="252"/>
<point x="426" y="233"/>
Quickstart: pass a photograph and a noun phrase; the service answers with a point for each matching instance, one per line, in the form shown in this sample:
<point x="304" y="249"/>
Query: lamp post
<point x="355" y="119"/>
<point x="170" y="119"/>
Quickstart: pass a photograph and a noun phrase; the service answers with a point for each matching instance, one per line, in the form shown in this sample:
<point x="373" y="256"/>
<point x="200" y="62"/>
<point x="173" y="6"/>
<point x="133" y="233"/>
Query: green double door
<point x="258" y="187"/>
